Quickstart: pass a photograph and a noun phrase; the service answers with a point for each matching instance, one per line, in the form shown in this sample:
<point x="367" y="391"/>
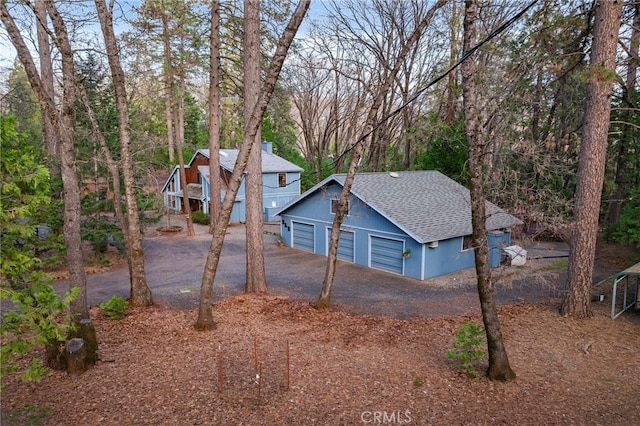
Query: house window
<point x="282" y="180"/>
<point x="467" y="243"/>
<point x="334" y="206"/>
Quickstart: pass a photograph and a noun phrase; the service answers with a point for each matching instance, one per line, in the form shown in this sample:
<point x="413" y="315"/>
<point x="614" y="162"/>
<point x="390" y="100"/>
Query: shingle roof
<point x="271" y="163"/>
<point x="427" y="205"/>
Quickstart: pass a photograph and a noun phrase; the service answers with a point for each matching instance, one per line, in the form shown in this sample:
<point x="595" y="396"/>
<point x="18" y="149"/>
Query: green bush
<point x="466" y="350"/>
<point x="115" y="308"/>
<point x="200" y="217"/>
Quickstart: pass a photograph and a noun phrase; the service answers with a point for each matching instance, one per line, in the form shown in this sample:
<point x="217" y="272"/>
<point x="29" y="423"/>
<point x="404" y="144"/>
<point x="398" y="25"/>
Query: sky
<point x="8" y="53"/>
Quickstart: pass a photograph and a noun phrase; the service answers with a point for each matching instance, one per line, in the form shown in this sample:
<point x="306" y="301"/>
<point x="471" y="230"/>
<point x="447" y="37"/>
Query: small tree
<point x="466" y="349"/>
<point x="61" y="115"/>
<point x="39" y="315"/>
<point x="499" y="367"/>
<point x="115" y="308"/>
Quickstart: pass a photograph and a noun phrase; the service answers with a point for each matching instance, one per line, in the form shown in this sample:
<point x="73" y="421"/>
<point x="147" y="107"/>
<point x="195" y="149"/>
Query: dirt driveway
<point x="174" y="265"/>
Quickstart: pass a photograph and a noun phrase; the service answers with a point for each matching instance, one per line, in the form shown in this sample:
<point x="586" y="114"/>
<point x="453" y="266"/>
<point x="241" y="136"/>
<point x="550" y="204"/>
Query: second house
<point x="280" y="180"/>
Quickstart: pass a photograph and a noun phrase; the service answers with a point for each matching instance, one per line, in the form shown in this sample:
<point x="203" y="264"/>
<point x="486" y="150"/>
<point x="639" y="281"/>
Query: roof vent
<point x="393" y="174"/>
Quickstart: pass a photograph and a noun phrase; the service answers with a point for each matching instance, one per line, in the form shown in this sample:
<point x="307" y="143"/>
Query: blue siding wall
<point x="238" y="213"/>
<point x="497" y="240"/>
<point x="448" y="257"/>
<point x="275" y="197"/>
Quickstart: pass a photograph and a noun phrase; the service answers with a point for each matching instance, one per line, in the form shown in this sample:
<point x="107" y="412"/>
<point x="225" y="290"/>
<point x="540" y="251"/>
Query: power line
<point x="436" y="80"/>
<point x="464" y="57"/>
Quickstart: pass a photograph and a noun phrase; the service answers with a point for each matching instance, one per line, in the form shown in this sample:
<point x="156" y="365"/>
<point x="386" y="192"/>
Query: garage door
<point x="303" y="236"/>
<point x="345" y="245"/>
<point x="386" y="254"/>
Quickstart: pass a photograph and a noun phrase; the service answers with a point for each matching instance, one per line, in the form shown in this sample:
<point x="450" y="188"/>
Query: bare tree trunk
<point x="170" y="132"/>
<point x="214" y="116"/>
<point x="65" y="130"/>
<point x="175" y="120"/>
<point x="312" y="104"/>
<point x="114" y="171"/>
<point x="499" y="367"/>
<point x="591" y="162"/>
<point x="622" y="178"/>
<point x="336" y="133"/>
<point x="140" y="294"/>
<point x="168" y="87"/>
<point x="179" y="127"/>
<point x="256" y="276"/>
<point x="205" y="313"/>
<point x="406" y="117"/>
<point x="450" y="108"/>
<point x="324" y="300"/>
<point x="112" y="166"/>
<point x="46" y="76"/>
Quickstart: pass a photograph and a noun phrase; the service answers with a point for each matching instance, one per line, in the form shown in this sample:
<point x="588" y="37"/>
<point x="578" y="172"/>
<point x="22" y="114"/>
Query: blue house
<point x="280" y="180"/>
<point x="414" y="223"/>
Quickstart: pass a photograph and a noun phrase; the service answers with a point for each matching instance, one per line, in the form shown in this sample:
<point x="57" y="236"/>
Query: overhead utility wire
<point x="415" y="96"/>
<point x="464" y="57"/>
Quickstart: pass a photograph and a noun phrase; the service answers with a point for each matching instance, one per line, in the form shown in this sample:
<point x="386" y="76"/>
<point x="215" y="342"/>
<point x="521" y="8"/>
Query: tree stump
<point x="86" y="330"/>
<point x="76" y="352"/>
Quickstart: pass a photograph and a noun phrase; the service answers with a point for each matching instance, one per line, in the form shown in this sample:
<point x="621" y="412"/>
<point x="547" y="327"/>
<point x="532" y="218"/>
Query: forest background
<point x="532" y="78"/>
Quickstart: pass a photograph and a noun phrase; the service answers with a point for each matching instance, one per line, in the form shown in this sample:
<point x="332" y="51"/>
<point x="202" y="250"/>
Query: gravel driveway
<point x="174" y="265"/>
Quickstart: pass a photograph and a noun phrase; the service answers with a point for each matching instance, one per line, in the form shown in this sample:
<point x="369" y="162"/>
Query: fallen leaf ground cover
<point x="343" y="369"/>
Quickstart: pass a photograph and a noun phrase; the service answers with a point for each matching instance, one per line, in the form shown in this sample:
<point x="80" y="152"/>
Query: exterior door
<point x="346" y="245"/>
<point x="303" y="236"/>
<point x="386" y="254"/>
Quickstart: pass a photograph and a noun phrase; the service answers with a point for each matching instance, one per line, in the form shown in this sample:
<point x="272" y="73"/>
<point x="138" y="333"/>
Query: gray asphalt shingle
<point x="428" y="205"/>
<point x="271" y="163"/>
